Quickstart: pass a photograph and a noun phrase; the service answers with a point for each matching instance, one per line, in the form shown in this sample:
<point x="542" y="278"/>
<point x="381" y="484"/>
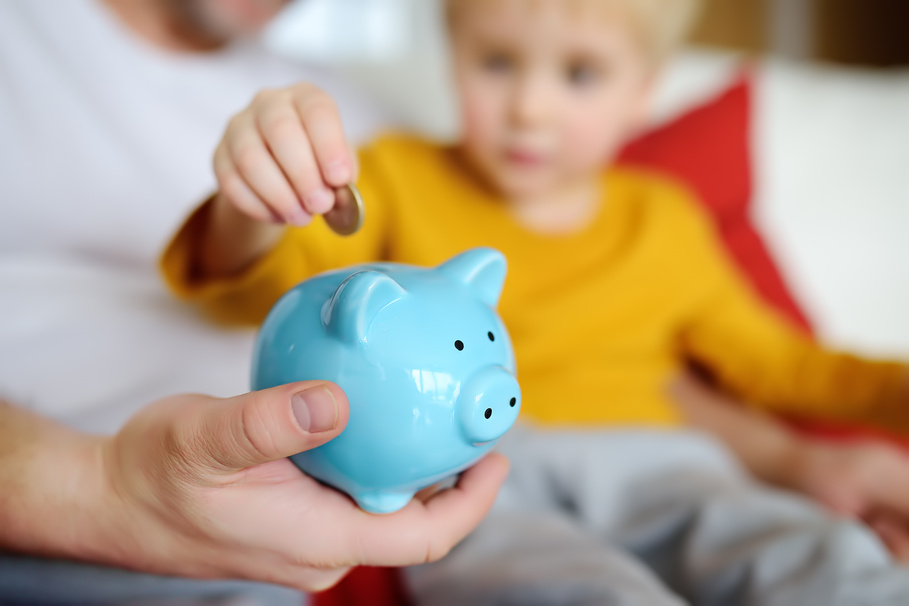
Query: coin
<point x="346" y="216"/>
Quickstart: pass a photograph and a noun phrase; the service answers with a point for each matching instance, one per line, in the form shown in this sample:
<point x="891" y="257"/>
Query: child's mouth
<point x="524" y="158"/>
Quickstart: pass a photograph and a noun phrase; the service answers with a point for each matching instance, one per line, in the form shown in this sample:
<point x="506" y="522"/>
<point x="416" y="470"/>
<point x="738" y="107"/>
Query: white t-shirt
<point x="106" y="140"/>
<point x="105" y="146"/>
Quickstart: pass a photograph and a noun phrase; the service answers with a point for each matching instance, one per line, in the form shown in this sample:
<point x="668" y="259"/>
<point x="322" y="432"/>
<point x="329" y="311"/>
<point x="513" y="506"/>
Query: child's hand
<point x="863" y="480"/>
<point x="281" y="158"/>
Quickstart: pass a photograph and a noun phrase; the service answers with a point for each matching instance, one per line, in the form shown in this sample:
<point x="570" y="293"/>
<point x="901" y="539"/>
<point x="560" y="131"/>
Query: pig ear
<point x="482" y="269"/>
<point x="357" y="301"/>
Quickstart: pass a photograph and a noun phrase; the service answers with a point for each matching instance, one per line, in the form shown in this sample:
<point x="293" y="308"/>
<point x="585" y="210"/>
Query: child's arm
<point x="765" y="360"/>
<point x="760" y="357"/>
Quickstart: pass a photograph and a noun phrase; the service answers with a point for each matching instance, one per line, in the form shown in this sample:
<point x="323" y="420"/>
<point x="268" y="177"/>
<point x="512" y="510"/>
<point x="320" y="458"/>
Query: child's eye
<point x="497" y="62"/>
<point x="581" y="74"/>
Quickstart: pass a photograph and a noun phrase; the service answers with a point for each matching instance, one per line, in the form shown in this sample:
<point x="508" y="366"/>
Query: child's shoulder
<point x="661" y="198"/>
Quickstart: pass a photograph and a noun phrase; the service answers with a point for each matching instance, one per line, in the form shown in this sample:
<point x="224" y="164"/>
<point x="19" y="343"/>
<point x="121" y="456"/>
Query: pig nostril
<point x="488" y="413"/>
<point x="513" y="401"/>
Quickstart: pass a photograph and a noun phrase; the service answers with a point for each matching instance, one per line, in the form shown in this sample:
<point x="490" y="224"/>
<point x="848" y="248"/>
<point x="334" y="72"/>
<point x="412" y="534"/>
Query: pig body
<point x="423" y="357"/>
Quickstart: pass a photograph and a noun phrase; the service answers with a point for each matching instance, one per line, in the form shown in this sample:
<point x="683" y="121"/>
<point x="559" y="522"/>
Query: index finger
<point x="322" y="123"/>
<point x="425" y="532"/>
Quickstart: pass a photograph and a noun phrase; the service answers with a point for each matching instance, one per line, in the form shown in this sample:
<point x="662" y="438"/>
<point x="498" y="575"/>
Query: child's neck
<point x="565" y="209"/>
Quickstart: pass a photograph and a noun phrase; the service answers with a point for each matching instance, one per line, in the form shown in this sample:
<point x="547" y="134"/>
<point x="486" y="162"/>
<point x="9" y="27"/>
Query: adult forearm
<point x="52" y="499"/>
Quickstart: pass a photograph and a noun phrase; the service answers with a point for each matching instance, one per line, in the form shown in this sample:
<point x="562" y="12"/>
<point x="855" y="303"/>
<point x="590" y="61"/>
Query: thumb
<point x="271" y="424"/>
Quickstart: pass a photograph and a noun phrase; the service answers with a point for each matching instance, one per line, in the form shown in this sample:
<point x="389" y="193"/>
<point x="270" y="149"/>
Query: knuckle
<point x="318" y="114"/>
<point x="437" y="550"/>
<point x="278" y="125"/>
<point x="222" y="169"/>
<point x="236" y="124"/>
<point x="301" y="90"/>
<point x="320" y="578"/>
<point x="316" y="106"/>
<point x="232" y="187"/>
<point x="305" y="179"/>
<point x="246" y="157"/>
<point x="180" y="447"/>
<point x="255" y="431"/>
<point x="263" y="96"/>
<point x="232" y="123"/>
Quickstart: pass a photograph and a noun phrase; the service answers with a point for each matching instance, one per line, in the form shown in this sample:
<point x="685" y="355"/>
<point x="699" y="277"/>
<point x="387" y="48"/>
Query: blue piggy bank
<point x="423" y="357"/>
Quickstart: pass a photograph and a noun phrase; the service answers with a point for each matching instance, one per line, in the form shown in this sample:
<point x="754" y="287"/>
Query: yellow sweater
<point x="600" y="319"/>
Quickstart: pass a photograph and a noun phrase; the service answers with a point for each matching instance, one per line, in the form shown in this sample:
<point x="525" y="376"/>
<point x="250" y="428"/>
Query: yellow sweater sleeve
<point x="757" y="354"/>
<point x="247" y="297"/>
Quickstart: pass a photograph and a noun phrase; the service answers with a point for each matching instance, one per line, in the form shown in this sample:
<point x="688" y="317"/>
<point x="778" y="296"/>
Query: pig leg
<point x="383" y="501"/>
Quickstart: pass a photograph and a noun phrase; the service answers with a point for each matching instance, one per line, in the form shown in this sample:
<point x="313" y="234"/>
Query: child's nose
<point x="531" y="102"/>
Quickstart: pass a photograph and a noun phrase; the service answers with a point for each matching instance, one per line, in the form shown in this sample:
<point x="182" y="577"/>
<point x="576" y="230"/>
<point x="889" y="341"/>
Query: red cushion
<point x="366" y="586"/>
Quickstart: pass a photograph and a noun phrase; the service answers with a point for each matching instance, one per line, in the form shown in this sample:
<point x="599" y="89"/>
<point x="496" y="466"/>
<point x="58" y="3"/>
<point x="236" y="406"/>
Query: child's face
<point x="548" y="88"/>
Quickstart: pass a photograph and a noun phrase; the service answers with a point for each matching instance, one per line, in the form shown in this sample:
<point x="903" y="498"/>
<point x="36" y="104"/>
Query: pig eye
<point x="491" y="336"/>
<point x="459" y="345"/>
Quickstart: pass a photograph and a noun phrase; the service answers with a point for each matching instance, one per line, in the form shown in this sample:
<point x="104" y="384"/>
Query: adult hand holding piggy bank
<point x="423" y="357"/>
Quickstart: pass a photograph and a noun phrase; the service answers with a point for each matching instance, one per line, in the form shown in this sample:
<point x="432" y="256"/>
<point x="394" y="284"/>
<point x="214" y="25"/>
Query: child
<point x="614" y="280"/>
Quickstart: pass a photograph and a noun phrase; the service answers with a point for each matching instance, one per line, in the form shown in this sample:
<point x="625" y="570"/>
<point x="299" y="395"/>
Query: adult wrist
<point x="54" y="504"/>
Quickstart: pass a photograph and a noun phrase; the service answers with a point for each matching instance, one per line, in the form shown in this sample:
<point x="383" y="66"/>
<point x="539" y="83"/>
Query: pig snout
<point x="488" y="404"/>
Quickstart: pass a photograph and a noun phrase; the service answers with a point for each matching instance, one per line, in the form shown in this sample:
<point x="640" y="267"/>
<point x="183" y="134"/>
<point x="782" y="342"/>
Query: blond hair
<point x="661" y="25"/>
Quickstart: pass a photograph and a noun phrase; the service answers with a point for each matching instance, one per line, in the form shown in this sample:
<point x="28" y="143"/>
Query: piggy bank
<point x="425" y="362"/>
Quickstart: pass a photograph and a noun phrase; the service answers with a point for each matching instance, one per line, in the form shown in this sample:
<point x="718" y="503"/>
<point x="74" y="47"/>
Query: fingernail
<point x="299" y="217"/>
<point x="315" y="409"/>
<point x="320" y="201"/>
<point x="338" y="172"/>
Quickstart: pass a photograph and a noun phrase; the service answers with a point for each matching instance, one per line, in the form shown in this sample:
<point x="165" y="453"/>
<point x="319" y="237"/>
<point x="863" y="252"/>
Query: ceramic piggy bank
<point x="423" y="357"/>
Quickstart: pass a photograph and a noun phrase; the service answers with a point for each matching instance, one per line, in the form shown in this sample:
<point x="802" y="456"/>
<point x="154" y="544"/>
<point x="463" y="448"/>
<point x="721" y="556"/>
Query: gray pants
<point x="652" y="518"/>
<point x="30" y="581"/>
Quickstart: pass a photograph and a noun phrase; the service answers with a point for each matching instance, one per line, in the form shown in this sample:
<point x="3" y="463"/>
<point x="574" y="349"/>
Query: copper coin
<point x="346" y="216"/>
